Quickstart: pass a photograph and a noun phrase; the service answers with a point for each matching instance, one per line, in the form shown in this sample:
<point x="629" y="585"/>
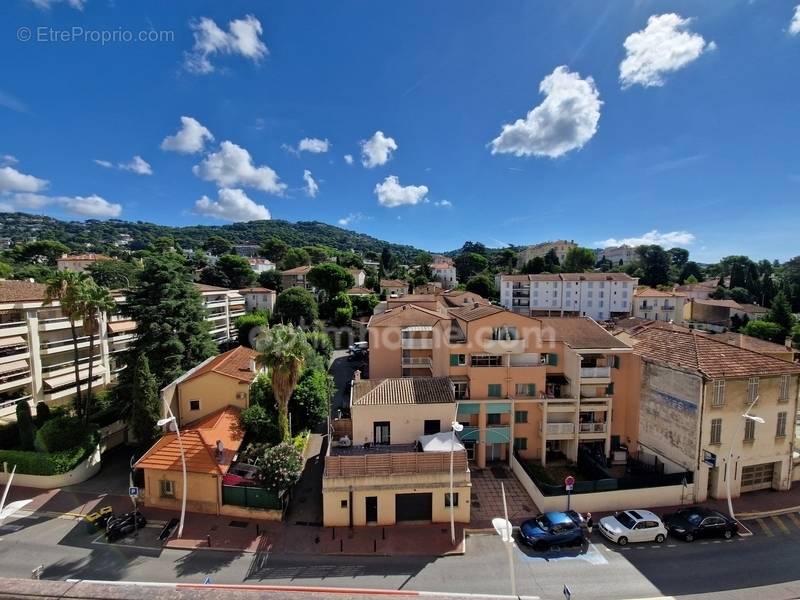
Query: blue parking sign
<point x="133" y="491"/>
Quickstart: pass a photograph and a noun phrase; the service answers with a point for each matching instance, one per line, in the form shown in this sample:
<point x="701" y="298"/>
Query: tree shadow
<point x="204" y="562"/>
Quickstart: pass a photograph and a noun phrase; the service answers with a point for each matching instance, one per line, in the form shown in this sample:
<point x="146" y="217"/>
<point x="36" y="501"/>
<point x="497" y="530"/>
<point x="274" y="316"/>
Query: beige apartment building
<point x="658" y="305"/>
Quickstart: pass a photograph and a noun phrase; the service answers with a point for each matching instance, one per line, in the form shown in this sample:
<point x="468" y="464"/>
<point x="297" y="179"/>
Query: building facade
<point x="445" y="274"/>
<point x="657" y="305"/>
<point x="618" y="255"/>
<point x="297" y="277"/>
<point x="560" y="246"/>
<point x="258" y="298"/>
<point x="393" y="287"/>
<point x="78" y="263"/>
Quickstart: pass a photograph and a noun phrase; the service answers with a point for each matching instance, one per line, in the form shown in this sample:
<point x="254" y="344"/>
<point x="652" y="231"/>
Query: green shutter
<point x="469" y="408"/>
<point x="521" y="416"/>
<point x="454" y="360"/>
<point x="532" y="390"/>
<point x="610" y="389"/>
<point x="552" y="359"/>
<point x="494" y="390"/>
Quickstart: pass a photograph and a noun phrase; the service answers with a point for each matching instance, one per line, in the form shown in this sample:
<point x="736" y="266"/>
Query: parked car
<point x="697" y="521"/>
<point x="125" y="524"/>
<point x="553" y="529"/>
<point x="633" y="526"/>
<point x="358" y="351"/>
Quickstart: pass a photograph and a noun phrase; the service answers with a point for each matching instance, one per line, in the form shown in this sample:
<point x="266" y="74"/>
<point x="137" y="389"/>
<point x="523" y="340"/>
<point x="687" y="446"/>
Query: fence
<point x="251" y="497"/>
<point x="389" y="464"/>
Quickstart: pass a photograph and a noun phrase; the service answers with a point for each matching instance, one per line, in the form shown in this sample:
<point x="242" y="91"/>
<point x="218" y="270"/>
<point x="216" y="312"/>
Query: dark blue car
<point x="553" y="529"/>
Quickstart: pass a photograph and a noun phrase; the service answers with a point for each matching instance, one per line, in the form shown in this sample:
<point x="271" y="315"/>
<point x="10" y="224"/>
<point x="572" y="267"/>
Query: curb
<point x="767" y="513"/>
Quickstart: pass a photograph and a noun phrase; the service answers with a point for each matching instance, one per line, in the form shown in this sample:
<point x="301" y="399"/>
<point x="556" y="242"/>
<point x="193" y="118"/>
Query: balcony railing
<point x="504" y="346"/>
<point x="667" y="307"/>
<point x="593" y="427"/>
<point x="366" y="465"/>
<point x="595" y="372"/>
<point x="11" y="325"/>
<point x="417" y="343"/>
<point x="559" y="428"/>
<point x="417" y="361"/>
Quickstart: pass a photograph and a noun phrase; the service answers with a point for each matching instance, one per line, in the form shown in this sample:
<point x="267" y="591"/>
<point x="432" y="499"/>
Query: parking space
<point x="487" y="500"/>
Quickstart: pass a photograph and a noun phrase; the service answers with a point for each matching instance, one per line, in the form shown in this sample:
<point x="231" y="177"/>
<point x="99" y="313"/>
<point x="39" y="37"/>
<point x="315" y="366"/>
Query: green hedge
<point x="42" y="463"/>
<point x="61" y="433"/>
<point x="9" y="435"/>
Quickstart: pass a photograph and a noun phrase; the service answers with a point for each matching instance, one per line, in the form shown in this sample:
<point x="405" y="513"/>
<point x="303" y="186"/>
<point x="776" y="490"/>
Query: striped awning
<point x="121" y="326"/>
<point x="16" y="365"/>
<point x="14" y="340"/>
<point x="60" y="380"/>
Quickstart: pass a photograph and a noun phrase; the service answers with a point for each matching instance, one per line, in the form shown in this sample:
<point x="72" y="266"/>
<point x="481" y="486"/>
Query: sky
<point x="426" y="123"/>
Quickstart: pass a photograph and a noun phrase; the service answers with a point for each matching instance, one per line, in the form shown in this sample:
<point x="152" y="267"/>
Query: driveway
<point x="487" y="499"/>
<point x="342" y="370"/>
<point x="113" y="475"/>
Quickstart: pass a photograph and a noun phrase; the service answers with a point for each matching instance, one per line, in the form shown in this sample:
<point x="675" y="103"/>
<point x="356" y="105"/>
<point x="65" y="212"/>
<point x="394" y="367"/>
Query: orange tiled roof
<point x="406" y="314"/>
<point x="12" y="290"/>
<point x="203" y="287"/>
<point x="471" y="312"/>
<point x="654" y="293"/>
<point x="359" y="291"/>
<point x="394" y="283"/>
<point x="403" y="390"/>
<point x="578" y="333"/>
<point x="233" y="363"/>
<point x="199" y="441"/>
<point x="297" y="270"/>
<point x="256" y="290"/>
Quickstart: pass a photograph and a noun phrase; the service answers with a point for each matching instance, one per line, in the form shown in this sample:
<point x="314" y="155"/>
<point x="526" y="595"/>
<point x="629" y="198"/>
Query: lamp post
<point x="745" y="417"/>
<point x="505" y="530"/>
<point x="161" y="422"/>
<point x="454" y="427"/>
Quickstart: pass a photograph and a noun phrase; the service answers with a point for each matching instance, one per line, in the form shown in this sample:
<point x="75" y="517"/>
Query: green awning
<point x="469" y="408"/>
<point x="495" y="408"/>
<point x="498" y="435"/>
<point x="470" y="434"/>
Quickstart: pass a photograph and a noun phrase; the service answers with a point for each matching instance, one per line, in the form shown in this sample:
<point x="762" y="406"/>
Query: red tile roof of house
<point x="654" y="293"/>
<point x="203" y="287"/>
<point x="578" y="333"/>
<point x="394" y="283"/>
<point x="359" y="291"/>
<point x="233" y="363"/>
<point x="256" y="290"/>
<point x="297" y="270"/>
<point x="12" y="290"/>
<point x="199" y="441"/>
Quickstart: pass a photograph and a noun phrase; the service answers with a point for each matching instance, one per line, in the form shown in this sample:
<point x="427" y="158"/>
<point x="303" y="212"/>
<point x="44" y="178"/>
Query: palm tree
<point x="283" y="350"/>
<point x="96" y="302"/>
<point x="68" y="289"/>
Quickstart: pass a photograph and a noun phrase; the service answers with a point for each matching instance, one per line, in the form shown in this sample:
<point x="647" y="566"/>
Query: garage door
<point x="757" y="477"/>
<point x="413" y="507"/>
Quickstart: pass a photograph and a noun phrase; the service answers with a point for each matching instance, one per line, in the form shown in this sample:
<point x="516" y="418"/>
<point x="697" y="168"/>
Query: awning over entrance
<point x="440" y="442"/>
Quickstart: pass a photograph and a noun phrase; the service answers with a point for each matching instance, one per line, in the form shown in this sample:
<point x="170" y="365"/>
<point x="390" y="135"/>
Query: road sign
<point x="133" y="491"/>
<point x="710" y="458"/>
<point x="569" y="482"/>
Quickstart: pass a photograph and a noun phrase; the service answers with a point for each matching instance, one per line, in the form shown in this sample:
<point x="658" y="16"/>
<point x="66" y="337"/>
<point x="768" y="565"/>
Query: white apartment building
<point x="600" y="296"/>
<point x="36" y="348"/>
<point x="261" y="265"/>
<point x="444" y="273"/>
<point x="655" y="305"/>
<point x="618" y="255"/>
<point x="561" y="247"/>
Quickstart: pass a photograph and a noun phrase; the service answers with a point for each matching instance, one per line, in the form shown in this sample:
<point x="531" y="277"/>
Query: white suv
<point x="633" y="526"/>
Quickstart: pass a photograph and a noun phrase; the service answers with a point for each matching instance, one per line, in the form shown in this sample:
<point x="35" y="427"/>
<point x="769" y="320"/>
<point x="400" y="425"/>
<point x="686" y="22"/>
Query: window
<point x="780" y="430"/>
<point x="447" y="500"/>
<point x="752" y="390"/>
<point x="590" y="293"/>
<point x="526" y="389"/>
<point x="589" y="304"/>
<point x="458" y="360"/>
<point x="504" y="333"/>
<point x="486" y="360"/>
<point x="552" y="359"/>
<point x="749" y="430"/>
<point x="783" y="394"/>
<point x="716" y="431"/>
<point x="343" y="504"/>
<point x="194" y="404"/>
<point x="520" y="443"/>
<point x="520" y="416"/>
<point x="493" y="419"/>
<point x="167" y="488"/>
<point x="462" y="390"/>
<point x="718" y="399"/>
<point x="495" y="389"/>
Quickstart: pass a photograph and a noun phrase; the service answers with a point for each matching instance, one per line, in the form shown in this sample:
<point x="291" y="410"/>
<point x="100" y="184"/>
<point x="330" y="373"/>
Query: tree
<point x="68" y="288"/>
<point x="781" y="314"/>
<point x="690" y="269"/>
<point x="230" y="271"/>
<point x="321" y="343"/>
<point x="97" y="304"/>
<point x="249" y="326"/>
<point x="25" y="426"/>
<point x="282" y="350"/>
<point x="217" y="246"/>
<point x="551" y="262"/>
<point x="655" y="264"/>
<point x="690" y="279"/>
<point x="388" y="261"/>
<point x="295" y="257"/>
<point x="42" y="413"/>
<point x="271" y="280"/>
<point x="364" y="305"/>
<point x="114" y="274"/>
<point x="311" y="400"/>
<point x="280" y="467"/>
<point x="765" y="330"/>
<point x="475" y="247"/>
<point x="145" y="406"/>
<point x="330" y="278"/>
<point x="296" y="306"/>
<point x="469" y="264"/>
<point x="481" y="285"/>
<point x="341" y="309"/>
<point x="6" y="271"/>
<point x="678" y="257"/>
<point x="506" y="259"/>
<point x="578" y="260"/>
<point x="534" y="266"/>
<point x="171" y="327"/>
<point x="274" y="249"/>
<point x="257" y="421"/>
<point x="41" y="252"/>
<point x="317" y="254"/>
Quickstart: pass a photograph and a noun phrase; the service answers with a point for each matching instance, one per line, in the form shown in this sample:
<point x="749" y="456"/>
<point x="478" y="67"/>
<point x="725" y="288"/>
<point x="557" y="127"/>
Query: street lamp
<point x="454" y="427"/>
<point x="745" y="417"/>
<point x="161" y="423"/>
<point x="505" y="530"/>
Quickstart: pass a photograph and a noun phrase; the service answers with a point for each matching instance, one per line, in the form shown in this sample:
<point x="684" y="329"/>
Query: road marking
<point x="781" y="525"/>
<point x="794" y="519"/>
<point x="767" y="531"/>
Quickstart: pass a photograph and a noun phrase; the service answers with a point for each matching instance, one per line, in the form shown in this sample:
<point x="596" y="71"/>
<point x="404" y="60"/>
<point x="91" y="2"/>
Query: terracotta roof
<point x="393" y="283"/>
<point x="654" y="293"/>
<point x="475" y="311"/>
<point x="441" y="266"/>
<point x="597" y="277"/>
<point x="256" y="290"/>
<point x="544" y="277"/>
<point x="297" y="270"/>
<point x="411" y="298"/>
<point x="457" y="298"/>
<point x="12" y="290"/>
<point x="359" y="291"/>
<point x="747" y="342"/>
<point x="199" y="441"/>
<point x="260" y="261"/>
<point x="707" y="355"/>
<point x="515" y="278"/>
<point x="579" y="333"/>
<point x="202" y="287"/>
<point x="233" y="363"/>
<point x="724" y="303"/>
<point x="754" y="309"/>
<point x="403" y="390"/>
<point x="406" y="314"/>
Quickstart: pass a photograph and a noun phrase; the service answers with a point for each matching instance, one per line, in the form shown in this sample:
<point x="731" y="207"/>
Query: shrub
<point x="42" y="413"/>
<point x="311" y="399"/>
<point x="27" y="431"/>
<point x="321" y="343"/>
<point x="247" y="323"/>
<point x="260" y="424"/>
<point x="300" y="441"/>
<point x="280" y="467"/>
<point x="9" y="436"/>
<point x="62" y="433"/>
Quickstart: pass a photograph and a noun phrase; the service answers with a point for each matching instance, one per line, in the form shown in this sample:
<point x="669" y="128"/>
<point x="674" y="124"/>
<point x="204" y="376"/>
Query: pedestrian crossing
<point x="775" y="525"/>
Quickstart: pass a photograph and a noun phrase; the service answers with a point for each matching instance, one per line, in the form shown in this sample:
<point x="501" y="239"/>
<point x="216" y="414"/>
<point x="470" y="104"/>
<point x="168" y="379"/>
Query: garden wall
<point x="85" y="470"/>
<point x="672" y="495"/>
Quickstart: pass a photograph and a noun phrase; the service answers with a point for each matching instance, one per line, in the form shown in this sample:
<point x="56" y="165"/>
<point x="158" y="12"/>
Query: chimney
<point x="253" y="368"/>
<point x="357" y="375"/>
<point x="788" y="343"/>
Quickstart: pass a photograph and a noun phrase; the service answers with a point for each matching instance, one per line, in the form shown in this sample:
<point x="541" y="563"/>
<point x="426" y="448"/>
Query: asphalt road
<point x="602" y="572"/>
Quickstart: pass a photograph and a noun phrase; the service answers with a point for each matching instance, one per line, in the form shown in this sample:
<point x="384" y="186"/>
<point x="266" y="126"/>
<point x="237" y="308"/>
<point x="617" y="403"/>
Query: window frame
<point x="718" y="393"/>
<point x="752" y="389"/>
<point x="166" y="483"/>
<point x="521" y="443"/>
<point x="715" y="432"/>
<point x="192" y="403"/>
<point x="520" y="416"/>
<point x="498" y="387"/>
<point x="783" y="389"/>
<point x="447" y="499"/>
<point x="749" y="431"/>
<point x="780" y="424"/>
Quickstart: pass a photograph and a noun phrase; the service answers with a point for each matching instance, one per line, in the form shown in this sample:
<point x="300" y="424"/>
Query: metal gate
<point x="757" y="477"/>
<point x="413" y="507"/>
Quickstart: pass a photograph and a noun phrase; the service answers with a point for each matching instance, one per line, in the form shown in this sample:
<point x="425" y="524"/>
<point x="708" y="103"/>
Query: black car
<point x="696" y="521"/>
<point x="119" y="526"/>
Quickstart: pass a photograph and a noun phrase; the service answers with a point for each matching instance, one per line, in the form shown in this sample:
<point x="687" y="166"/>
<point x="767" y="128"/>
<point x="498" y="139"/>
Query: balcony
<point x="216" y="304"/>
<point x="593" y="427"/>
<point x="64" y="345"/>
<point x="596" y="374"/>
<point x="13" y="328"/>
<point x="417" y="362"/>
<point x="417" y="343"/>
<point x="525" y="359"/>
<point x="57" y="323"/>
<point x="381" y="464"/>
<point x="552" y="429"/>
<point x="504" y="346"/>
<point x="667" y="308"/>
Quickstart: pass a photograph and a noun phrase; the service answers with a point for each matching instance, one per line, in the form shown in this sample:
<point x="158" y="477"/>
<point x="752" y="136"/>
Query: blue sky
<point x="678" y="118"/>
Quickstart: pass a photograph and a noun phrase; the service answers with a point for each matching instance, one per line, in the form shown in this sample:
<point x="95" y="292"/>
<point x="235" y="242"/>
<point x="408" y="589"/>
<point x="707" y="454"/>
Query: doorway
<point x="381" y="432"/>
<point x="372" y="509"/>
<point x="432" y="426"/>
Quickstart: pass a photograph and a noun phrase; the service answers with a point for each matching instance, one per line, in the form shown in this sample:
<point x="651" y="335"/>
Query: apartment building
<point x="78" y="263"/>
<point x="600" y="296"/>
<point x="693" y="392"/>
<point x="618" y="255"/>
<point x="657" y="305"/>
<point x="444" y="273"/>
<point x="36" y="348"/>
<point x="393" y="287"/>
<point x="258" y="298"/>
<point x="560" y="246"/>
<point x="261" y="265"/>
<point x="297" y="277"/>
<point x="540" y="386"/>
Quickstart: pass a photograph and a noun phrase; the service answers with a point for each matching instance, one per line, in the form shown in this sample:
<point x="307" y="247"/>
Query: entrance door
<point x="432" y="426"/>
<point x="372" y="509"/>
<point x="757" y="477"/>
<point x="381" y="432"/>
<point x="413" y="507"/>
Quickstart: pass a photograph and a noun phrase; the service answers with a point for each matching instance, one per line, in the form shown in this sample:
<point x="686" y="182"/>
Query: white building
<point x="359" y="276"/>
<point x="445" y="273"/>
<point x="618" y="255"/>
<point x="600" y="296"/>
<point x="261" y="265"/>
<point x="258" y="298"/>
<point x="656" y="305"/>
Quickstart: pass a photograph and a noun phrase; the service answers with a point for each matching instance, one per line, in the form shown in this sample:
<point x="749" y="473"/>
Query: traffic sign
<point x="710" y="458"/>
<point x="569" y="482"/>
<point x="133" y="491"/>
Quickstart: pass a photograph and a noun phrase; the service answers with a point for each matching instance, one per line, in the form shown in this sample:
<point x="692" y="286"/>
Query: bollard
<point x="208" y="537"/>
<point x="341" y="545"/>
<point x="383" y="533"/>
<point x="374" y="545"/>
<point x="333" y="533"/>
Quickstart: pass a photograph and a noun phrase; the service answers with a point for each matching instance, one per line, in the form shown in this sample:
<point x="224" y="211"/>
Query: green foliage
<point x="260" y="424"/>
<point x="43" y="463"/>
<point x="551" y="262"/>
<point x="655" y="263"/>
<point x="363" y="305"/>
<point x="690" y="279"/>
<point x="317" y="254"/>
<point x="578" y="260"/>
<point x="300" y="441"/>
<point x="311" y="399"/>
<point x="534" y="266"/>
<point x="280" y="467"/>
<point x="765" y="330"/>
<point x="114" y="274"/>
<point x="469" y="264"/>
<point x="296" y="306"/>
<point x="217" y="245"/>
<point x="796" y="336"/>
<point x="781" y="313"/>
<point x="740" y="295"/>
<point x="41" y="252"/>
<point x="295" y="257"/>
<point x="678" y="257"/>
<point x="330" y="278"/>
<point x="42" y="413"/>
<point x="274" y="249"/>
<point x="342" y="309"/>
<point x="61" y="433"/>
<point x="230" y="271"/>
<point x="6" y="271"/>
<point x="321" y="344"/>
<point x="248" y="326"/>
<point x="39" y="273"/>
<point x="145" y="407"/>
<point x="26" y="428"/>
<point x="483" y="285"/>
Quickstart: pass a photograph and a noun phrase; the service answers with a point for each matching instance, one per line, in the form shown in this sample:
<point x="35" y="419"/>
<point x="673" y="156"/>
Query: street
<point x="604" y="571"/>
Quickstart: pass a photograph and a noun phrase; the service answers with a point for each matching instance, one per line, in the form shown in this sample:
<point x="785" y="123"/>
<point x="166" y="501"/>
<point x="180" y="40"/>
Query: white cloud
<point x="443" y="203"/>
<point x="312" y="187"/>
<point x="12" y="180"/>
<point x="377" y="150"/>
<point x="348" y="158"/>
<point x="350" y="219"/>
<point x="48" y="4"/>
<point x="191" y="137"/>
<point x="232" y="205"/>
<point x="313" y="145"/>
<point x="8" y="159"/>
<point x="12" y="102"/>
<point x="104" y="163"/>
<point x="137" y="165"/>
<point x="232" y="166"/>
<point x="794" y="26"/>
<point x="668" y="239"/>
<point x="85" y="206"/>
<point x="565" y="120"/>
<point x="242" y="38"/>
<point x="665" y="45"/>
<point x="390" y="193"/>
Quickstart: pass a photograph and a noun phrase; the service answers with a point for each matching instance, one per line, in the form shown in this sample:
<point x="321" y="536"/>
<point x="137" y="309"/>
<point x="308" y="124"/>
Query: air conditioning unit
<point x="241" y="395"/>
<point x="543" y="359"/>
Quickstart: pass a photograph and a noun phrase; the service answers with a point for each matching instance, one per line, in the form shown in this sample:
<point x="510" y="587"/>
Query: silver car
<point x="633" y="526"/>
